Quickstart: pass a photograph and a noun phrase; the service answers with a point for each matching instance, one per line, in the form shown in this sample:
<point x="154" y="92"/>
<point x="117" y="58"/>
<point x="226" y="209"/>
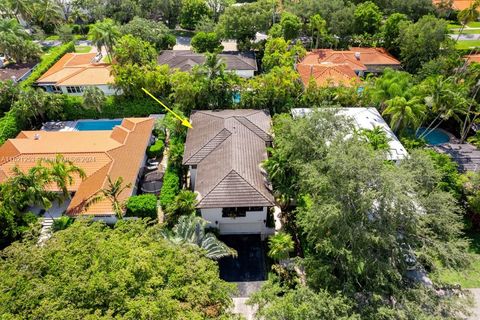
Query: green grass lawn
<point x="474" y="24"/>
<point x="470" y="277"/>
<point x="53" y="37"/>
<point x="82" y="49"/>
<point x="467" y="44"/>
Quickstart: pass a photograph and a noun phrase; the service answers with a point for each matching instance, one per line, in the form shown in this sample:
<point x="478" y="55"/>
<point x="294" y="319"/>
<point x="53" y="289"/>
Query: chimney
<point x="357" y="55"/>
<point x="37" y="136"/>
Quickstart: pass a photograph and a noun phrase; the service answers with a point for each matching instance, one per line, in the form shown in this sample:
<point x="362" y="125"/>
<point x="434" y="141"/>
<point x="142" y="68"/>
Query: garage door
<point x="240" y="228"/>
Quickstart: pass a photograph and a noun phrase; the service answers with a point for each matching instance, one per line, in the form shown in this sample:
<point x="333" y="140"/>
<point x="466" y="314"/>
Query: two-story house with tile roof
<point x="224" y="153"/>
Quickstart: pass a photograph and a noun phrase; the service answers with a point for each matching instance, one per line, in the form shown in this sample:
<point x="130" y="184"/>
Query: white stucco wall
<point x="253" y="222"/>
<point x="107" y="89"/>
<point x="245" y="73"/>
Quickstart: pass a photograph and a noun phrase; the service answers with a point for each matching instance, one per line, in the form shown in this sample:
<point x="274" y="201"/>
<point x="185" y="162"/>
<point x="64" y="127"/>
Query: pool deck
<point x="466" y="155"/>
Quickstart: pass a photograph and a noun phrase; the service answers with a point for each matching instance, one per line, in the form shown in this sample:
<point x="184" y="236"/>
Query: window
<point x="74" y="89"/>
<point x="238" y="211"/>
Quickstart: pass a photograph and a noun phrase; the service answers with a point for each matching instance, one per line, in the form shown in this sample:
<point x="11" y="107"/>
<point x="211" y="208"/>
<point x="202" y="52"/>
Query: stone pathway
<point x="245" y="290"/>
<point x="476" y="309"/>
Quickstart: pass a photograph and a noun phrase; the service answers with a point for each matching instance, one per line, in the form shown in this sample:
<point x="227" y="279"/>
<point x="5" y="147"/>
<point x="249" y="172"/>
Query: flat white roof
<point x="366" y="118"/>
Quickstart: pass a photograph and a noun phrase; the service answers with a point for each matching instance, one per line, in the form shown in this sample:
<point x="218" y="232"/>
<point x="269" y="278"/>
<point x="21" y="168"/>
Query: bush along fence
<point x="46" y="62"/>
<point x="173" y="175"/>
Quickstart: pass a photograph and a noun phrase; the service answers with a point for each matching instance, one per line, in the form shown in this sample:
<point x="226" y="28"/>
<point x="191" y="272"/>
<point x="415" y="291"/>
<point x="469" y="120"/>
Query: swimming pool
<point x="434" y="137"/>
<point x="90" y="125"/>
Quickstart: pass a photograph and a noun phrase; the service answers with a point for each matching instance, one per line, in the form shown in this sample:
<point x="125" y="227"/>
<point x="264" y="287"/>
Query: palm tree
<point x="280" y="244"/>
<point x="404" y="113"/>
<point x="445" y="98"/>
<point x="376" y="137"/>
<point x="62" y="171"/>
<point x="190" y="230"/>
<point x="22" y="8"/>
<point x="186" y="202"/>
<point x="47" y="12"/>
<point x="112" y="193"/>
<point x="468" y="15"/>
<point x="105" y="33"/>
<point x="29" y="189"/>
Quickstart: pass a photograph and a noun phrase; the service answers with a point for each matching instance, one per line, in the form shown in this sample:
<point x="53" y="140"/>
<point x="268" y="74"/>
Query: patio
<point x="465" y="155"/>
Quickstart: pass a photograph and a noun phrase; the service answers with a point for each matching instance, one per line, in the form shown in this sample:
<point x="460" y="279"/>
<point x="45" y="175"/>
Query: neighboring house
<point x="243" y="64"/>
<point x="74" y="72"/>
<point x="329" y="67"/>
<point x="224" y="152"/>
<point x="457" y="4"/>
<point x="16" y="72"/>
<point x="367" y="118"/>
<point x="119" y="152"/>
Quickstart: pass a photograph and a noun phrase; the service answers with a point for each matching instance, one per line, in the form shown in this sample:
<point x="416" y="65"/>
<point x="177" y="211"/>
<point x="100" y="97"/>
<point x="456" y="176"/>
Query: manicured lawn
<point x="475" y="24"/>
<point x="82" y="49"/>
<point x="467" y="44"/>
<point x="470" y="277"/>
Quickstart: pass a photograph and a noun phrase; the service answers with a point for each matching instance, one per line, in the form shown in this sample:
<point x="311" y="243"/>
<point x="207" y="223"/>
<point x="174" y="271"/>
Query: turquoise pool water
<point x="90" y="125"/>
<point x="434" y="137"/>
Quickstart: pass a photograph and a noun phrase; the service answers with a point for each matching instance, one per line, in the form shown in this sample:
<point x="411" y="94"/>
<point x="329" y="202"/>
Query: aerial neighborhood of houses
<point x="266" y="159"/>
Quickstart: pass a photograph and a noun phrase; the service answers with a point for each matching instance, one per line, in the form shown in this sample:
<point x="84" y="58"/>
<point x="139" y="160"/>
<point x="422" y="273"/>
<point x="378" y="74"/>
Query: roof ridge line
<point x="244" y="117"/>
<point x="261" y="193"/>
<point x="202" y="147"/>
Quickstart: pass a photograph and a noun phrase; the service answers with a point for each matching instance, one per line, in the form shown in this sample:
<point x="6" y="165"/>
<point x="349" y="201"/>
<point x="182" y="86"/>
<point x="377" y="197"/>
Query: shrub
<point x="156" y="149"/>
<point x="46" y="62"/>
<point x="142" y="206"/>
<point x="9" y="126"/>
<point x="170" y="187"/>
<point x="206" y="41"/>
<point x="62" y="223"/>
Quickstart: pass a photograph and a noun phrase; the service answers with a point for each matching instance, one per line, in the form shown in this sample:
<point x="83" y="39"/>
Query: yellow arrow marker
<point x="185" y="121"/>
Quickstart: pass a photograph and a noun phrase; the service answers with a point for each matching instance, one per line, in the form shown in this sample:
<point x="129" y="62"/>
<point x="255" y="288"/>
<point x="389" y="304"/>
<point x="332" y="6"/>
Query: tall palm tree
<point x="468" y="15"/>
<point x="62" y="173"/>
<point x="105" y="33"/>
<point x="280" y="245"/>
<point x="190" y="230"/>
<point x="111" y="192"/>
<point x="47" y="12"/>
<point x="24" y="8"/>
<point x="445" y="98"/>
<point x="404" y="113"/>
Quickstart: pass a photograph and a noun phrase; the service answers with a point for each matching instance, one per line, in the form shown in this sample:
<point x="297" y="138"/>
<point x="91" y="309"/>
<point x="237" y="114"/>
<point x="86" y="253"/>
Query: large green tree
<point x="15" y="42"/>
<point x="192" y="12"/>
<point x="156" y="33"/>
<point x="92" y="271"/>
<point x="366" y="223"/>
<point x="368" y="18"/>
<point x="422" y="41"/>
<point x="132" y="50"/>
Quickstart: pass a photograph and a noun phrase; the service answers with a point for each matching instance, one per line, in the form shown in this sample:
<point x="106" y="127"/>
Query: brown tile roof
<point x="185" y="60"/>
<point x="116" y="153"/>
<point x="75" y="69"/>
<point x="18" y="70"/>
<point x="228" y="147"/>
<point x="335" y="67"/>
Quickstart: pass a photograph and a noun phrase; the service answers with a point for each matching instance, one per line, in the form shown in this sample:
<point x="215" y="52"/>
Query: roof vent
<point x="357" y="55"/>
<point x="36" y="136"/>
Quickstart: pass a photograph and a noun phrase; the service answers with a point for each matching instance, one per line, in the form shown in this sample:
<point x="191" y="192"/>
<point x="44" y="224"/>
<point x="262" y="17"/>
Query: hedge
<point x="46" y="62"/>
<point x="9" y="126"/>
<point x="142" y="206"/>
<point x="115" y="107"/>
<point x="170" y="187"/>
<point x="155" y="150"/>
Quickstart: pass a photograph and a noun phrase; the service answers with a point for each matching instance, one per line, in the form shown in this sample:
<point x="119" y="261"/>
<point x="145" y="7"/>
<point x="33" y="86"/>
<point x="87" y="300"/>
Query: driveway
<point x="249" y="265"/>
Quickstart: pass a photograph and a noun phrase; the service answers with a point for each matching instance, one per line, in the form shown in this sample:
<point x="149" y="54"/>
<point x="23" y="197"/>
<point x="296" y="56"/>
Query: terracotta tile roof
<point x="75" y="69"/>
<point x="336" y="67"/>
<point x="473" y="58"/>
<point x="458" y="4"/>
<point x="328" y="74"/>
<point x="228" y="147"/>
<point x="116" y="153"/>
